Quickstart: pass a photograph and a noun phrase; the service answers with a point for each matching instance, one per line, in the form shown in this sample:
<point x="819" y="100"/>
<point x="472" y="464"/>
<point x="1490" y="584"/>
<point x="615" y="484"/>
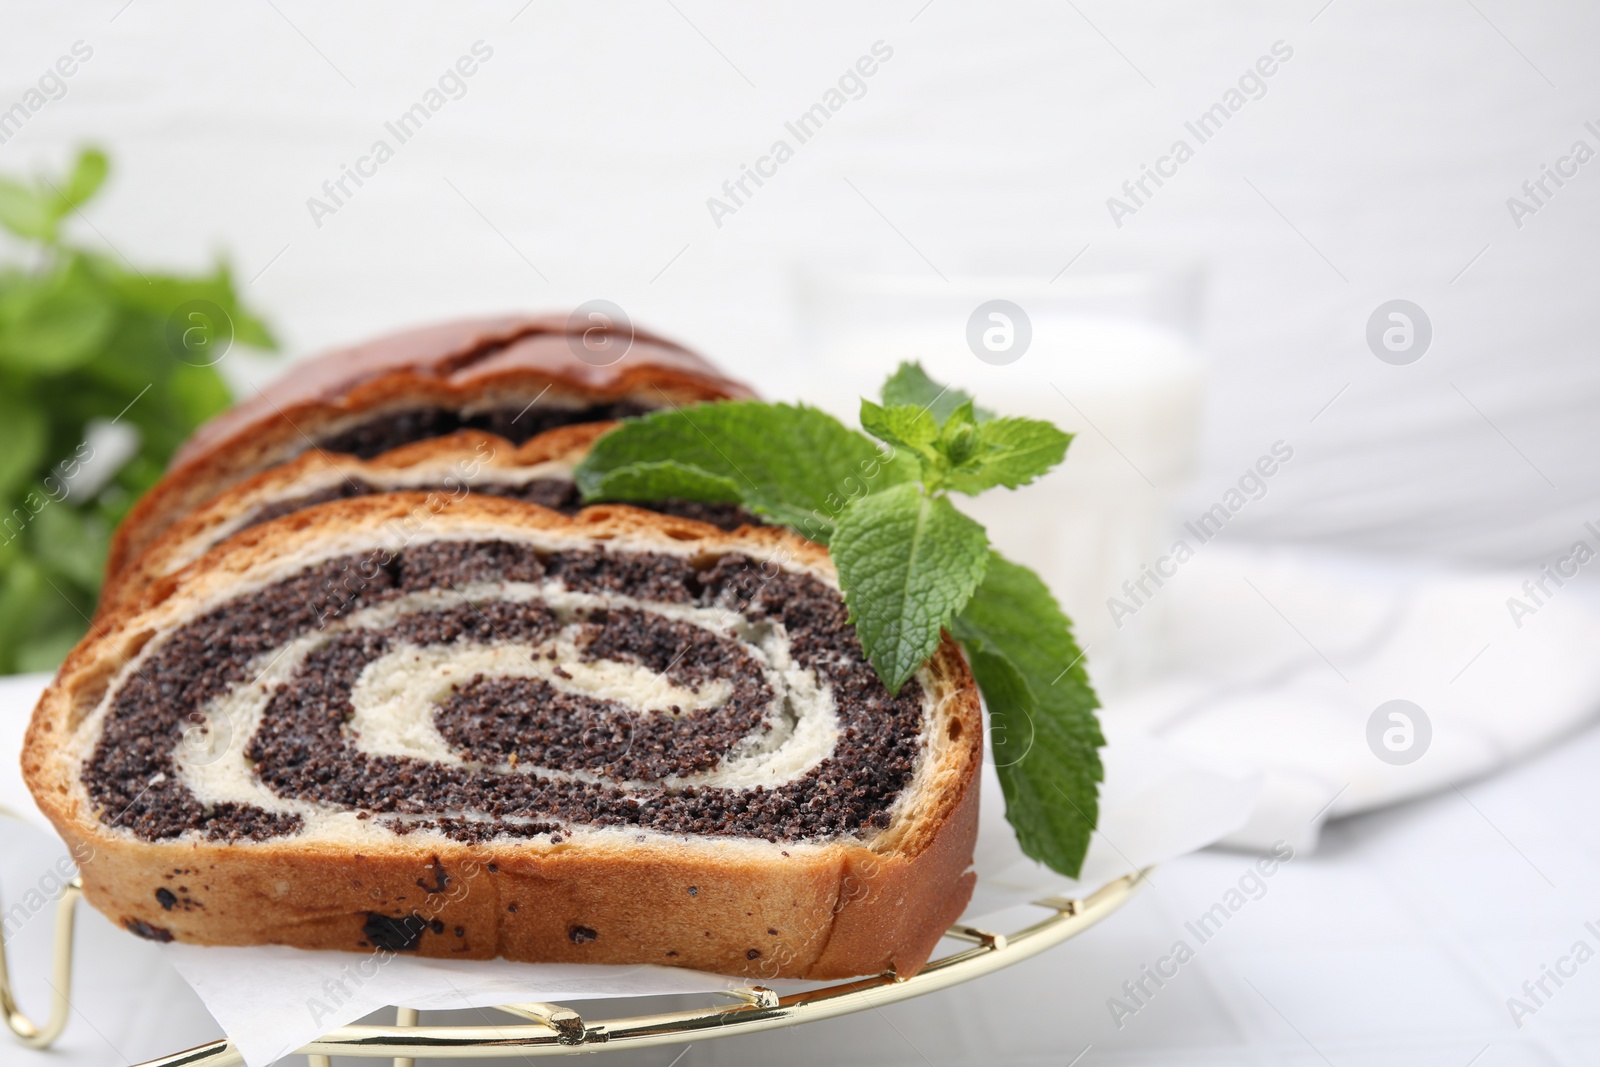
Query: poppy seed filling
<point x="383" y="433"/>
<point x="524" y="749"/>
<point x="557" y="494"/>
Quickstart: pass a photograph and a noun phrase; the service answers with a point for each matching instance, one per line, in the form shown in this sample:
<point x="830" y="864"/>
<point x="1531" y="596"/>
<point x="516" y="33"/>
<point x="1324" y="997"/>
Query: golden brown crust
<point x="448" y="457"/>
<point x="453" y="365"/>
<point x="821" y="911"/>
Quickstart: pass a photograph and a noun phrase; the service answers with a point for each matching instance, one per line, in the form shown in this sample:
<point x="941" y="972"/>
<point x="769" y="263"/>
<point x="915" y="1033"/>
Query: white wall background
<point x="579" y="161"/>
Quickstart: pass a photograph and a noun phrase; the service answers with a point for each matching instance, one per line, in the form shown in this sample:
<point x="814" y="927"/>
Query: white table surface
<point x="1399" y="942"/>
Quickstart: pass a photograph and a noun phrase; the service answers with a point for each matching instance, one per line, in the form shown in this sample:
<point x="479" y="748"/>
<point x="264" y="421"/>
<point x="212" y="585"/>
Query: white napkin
<point x="1281" y="658"/>
<point x="1157" y="803"/>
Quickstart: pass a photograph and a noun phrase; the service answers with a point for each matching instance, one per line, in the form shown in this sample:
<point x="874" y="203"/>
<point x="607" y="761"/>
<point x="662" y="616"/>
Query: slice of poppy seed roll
<point x="539" y="471"/>
<point x="516" y="376"/>
<point x="614" y="737"/>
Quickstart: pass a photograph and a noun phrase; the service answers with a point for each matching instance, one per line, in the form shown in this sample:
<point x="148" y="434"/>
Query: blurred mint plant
<point x="104" y="370"/>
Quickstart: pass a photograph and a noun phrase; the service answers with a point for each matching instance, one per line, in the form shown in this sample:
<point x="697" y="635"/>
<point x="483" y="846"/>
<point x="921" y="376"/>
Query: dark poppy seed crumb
<point x="146" y="931"/>
<point x="516" y="424"/>
<point x="771" y="931"/>
<point x="694" y="890"/>
<point x="753" y="954"/>
<point x="557" y="494"/>
<point x="402" y="934"/>
<point x="581" y="935"/>
<point x="164" y="895"/>
<point x="440" y="879"/>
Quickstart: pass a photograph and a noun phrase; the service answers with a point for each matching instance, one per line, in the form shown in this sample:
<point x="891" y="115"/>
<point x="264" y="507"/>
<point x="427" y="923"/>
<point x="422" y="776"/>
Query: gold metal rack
<point x="553" y="1030"/>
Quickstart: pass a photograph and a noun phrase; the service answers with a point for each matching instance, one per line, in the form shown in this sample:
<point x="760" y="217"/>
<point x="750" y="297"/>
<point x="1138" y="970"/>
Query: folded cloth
<point x="1284" y="663"/>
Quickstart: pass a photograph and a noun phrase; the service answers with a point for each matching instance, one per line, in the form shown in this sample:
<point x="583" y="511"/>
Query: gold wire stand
<point x="552" y="1030"/>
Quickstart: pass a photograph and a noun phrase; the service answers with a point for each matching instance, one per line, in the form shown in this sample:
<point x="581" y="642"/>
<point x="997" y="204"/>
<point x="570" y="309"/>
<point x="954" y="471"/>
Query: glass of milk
<point x="1110" y="358"/>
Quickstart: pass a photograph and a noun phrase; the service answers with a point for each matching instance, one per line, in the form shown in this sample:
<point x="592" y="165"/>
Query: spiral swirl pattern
<point x="490" y="689"/>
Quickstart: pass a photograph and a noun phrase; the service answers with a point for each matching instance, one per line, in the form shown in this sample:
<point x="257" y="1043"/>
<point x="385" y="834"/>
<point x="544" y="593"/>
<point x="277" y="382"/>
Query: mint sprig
<point x="910" y="564"/>
<point x="87" y="339"/>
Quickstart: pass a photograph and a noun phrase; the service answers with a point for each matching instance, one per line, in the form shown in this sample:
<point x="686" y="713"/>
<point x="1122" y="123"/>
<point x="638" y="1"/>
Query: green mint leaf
<point x="197" y="393"/>
<point x="161" y="294"/>
<point x="1009" y="452"/>
<point x="24" y="212"/>
<point x="666" y="480"/>
<point x="25" y="607"/>
<point x="55" y="322"/>
<point x="1044" y="734"/>
<point x="907" y="562"/>
<point x="24" y="433"/>
<point x="88" y="174"/>
<point x="70" y="542"/>
<point x="959" y="442"/>
<point x="45" y="648"/>
<point x="792" y="463"/>
<point x="901" y="425"/>
<point x="910" y="384"/>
